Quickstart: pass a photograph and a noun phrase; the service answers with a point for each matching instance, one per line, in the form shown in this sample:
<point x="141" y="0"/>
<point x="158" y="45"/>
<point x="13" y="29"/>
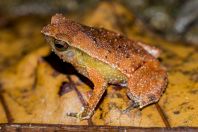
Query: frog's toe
<point x="132" y="105"/>
<point x="83" y="115"/>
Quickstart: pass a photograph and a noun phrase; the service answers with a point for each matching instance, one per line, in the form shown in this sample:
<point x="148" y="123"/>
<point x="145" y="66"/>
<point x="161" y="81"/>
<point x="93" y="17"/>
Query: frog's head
<point x="62" y="34"/>
<point x="61" y="31"/>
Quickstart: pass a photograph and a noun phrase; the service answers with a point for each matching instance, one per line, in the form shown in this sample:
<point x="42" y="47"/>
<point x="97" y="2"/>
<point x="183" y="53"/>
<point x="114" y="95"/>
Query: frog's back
<point x="104" y="45"/>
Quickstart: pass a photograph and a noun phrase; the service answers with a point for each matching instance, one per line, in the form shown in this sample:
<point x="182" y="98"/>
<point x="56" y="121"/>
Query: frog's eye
<point x="60" y="45"/>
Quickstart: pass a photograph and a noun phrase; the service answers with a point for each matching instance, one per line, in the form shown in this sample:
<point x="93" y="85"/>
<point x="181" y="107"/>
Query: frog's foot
<point x="82" y="115"/>
<point x="131" y="106"/>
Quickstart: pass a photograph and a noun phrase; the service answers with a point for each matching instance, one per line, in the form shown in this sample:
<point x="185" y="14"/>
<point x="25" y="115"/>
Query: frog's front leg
<point x="100" y="86"/>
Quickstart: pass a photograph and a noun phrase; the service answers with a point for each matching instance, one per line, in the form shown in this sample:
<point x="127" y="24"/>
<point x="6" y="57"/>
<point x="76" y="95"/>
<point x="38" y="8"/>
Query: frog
<point x="108" y="58"/>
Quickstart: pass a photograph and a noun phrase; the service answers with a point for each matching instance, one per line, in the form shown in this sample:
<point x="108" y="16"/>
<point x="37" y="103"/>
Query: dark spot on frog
<point x="127" y="55"/>
<point x="120" y="36"/>
<point x="151" y="97"/>
<point x="176" y="112"/>
<point x="109" y="51"/>
<point x="65" y="88"/>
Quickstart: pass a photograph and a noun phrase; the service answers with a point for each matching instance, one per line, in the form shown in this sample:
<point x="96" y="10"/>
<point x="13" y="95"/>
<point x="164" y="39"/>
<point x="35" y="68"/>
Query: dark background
<point x="175" y="20"/>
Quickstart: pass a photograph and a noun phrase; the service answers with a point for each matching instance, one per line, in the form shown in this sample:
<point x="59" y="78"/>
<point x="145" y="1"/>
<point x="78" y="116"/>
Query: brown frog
<point x="106" y="57"/>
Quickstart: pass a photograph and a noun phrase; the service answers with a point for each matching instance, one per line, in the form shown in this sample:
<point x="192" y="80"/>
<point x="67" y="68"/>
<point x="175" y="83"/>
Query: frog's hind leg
<point x="100" y="86"/>
<point x="147" y="83"/>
